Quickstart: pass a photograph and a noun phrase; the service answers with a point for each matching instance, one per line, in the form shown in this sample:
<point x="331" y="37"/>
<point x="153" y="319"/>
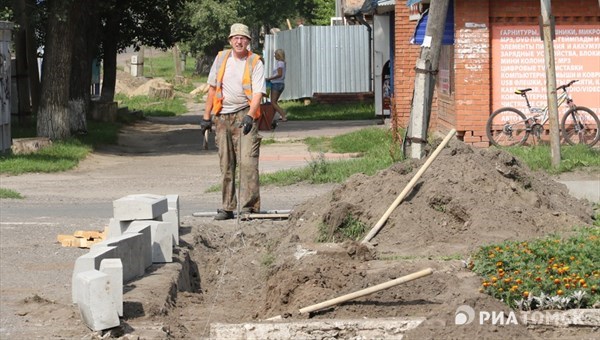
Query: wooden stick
<point x="408" y="187"/>
<point x="364" y="292"/>
<point x="289" y="24"/>
<point x="264" y="216"/>
<point x="271" y="212"/>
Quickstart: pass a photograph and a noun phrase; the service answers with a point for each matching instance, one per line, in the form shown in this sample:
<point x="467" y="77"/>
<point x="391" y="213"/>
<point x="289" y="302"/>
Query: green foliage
<point x="298" y="111"/>
<point x="320" y="11"/>
<point x="539" y="157"/>
<point x="8" y="193"/>
<point x="211" y="21"/>
<point x="351" y="228"/>
<point x="6" y="13"/>
<point x="548" y="273"/>
<point x="155" y="23"/>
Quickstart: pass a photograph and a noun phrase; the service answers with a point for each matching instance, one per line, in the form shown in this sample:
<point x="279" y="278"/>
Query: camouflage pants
<point x="228" y="135"/>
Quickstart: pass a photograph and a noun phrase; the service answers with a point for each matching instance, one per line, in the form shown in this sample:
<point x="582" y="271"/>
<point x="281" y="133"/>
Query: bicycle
<point x="508" y="126"/>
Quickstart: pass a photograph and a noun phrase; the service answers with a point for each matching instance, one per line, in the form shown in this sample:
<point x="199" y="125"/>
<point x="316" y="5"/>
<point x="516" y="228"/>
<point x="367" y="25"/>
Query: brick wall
<point x="472" y="67"/>
<point x="469" y="106"/>
<point x="405" y="57"/>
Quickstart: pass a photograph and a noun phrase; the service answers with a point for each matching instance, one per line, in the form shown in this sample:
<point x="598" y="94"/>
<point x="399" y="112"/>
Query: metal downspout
<point x="362" y="20"/>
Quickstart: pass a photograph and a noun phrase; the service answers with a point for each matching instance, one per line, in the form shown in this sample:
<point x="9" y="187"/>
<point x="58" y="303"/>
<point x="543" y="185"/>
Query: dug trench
<point x="225" y="272"/>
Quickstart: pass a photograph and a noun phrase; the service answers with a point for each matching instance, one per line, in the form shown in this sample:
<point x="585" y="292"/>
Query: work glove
<point x="247" y="122"/>
<point x="205" y="124"/>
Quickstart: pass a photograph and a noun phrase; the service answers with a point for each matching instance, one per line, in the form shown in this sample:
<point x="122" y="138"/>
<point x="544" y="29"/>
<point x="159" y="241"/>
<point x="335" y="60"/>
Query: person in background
<point x="299" y="22"/>
<point x="277" y="81"/>
<point x="237" y="84"/>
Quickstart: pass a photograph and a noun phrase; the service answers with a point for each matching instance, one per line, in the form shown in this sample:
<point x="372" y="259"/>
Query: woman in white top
<point x="278" y="82"/>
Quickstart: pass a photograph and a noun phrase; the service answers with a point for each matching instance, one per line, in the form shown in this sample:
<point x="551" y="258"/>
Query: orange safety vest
<point x="221" y="61"/>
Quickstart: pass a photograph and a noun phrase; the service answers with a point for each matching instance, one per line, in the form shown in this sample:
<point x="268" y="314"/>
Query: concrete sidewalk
<point x="585" y="189"/>
<point x="297" y="130"/>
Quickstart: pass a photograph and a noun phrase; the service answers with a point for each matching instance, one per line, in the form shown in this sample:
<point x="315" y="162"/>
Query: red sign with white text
<point x="519" y="63"/>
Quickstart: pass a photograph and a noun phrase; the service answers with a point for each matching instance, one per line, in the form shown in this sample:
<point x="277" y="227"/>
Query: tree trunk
<point x="111" y="32"/>
<point x="176" y="58"/>
<point x="26" y="55"/>
<point x="53" y="116"/>
<point x="84" y="39"/>
<point x="22" y="75"/>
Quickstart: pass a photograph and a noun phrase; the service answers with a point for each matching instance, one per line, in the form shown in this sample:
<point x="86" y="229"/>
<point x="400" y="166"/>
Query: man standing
<point x="237" y="84"/>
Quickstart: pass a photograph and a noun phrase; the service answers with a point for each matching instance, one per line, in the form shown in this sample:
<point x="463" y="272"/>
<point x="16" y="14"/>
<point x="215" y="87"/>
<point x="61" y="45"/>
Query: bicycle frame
<point x="535" y="113"/>
<point x="509" y="126"/>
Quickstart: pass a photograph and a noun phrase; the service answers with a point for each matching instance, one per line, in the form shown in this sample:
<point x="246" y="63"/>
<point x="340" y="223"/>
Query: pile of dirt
<point x="467" y="198"/>
<point x="136" y="86"/>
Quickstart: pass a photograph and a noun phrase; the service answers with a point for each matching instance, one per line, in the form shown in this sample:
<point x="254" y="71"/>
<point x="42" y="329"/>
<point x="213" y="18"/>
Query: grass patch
<point x="572" y="156"/>
<point x="268" y="258"/>
<point x="8" y="193"/>
<point x="153" y="107"/>
<point x="61" y="155"/>
<point x="298" y="111"/>
<point x="350" y="229"/>
<point x="374" y="144"/>
<point x="549" y="273"/>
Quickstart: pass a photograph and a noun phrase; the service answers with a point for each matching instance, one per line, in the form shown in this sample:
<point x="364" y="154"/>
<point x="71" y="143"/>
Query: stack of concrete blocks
<point x="143" y="230"/>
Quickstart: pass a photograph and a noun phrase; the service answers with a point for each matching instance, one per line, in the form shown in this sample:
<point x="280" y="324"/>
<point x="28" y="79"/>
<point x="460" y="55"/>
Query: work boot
<point x="223" y="215"/>
<point x="247" y="210"/>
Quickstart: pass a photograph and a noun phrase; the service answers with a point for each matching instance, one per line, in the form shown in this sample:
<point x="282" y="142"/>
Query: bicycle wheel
<point x="507" y="127"/>
<point x="580" y="125"/>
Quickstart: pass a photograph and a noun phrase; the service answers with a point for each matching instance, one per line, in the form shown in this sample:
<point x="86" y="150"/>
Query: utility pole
<point x="426" y="70"/>
<point x="547" y="37"/>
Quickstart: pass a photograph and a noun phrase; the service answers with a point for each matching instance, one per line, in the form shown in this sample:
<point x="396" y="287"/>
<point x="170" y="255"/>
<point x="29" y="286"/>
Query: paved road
<point x="169" y="162"/>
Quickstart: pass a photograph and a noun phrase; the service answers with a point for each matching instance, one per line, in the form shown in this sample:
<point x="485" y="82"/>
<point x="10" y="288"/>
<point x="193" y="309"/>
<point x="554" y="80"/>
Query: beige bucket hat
<point x="240" y="29"/>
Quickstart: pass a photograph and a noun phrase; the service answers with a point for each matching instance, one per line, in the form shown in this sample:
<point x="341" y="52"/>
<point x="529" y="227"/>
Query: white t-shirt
<point x="234" y="98"/>
<point x="279" y="64"/>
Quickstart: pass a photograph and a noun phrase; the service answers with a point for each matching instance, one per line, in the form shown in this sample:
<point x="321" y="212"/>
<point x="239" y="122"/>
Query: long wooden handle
<point x="408" y="188"/>
<point x="367" y="291"/>
<point x="360" y="293"/>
